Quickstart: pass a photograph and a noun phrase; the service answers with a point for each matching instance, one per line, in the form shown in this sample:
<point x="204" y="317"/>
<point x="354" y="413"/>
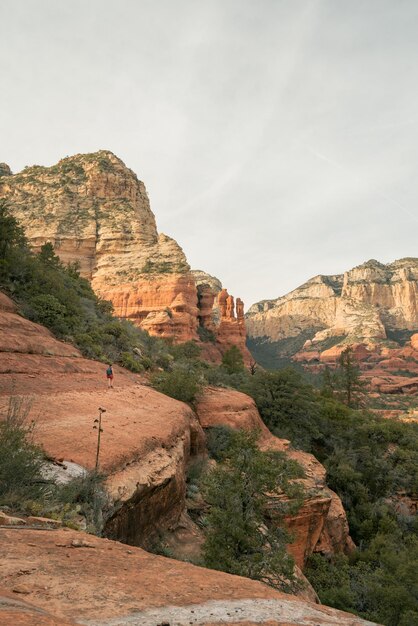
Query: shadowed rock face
<point x="96" y="213"/>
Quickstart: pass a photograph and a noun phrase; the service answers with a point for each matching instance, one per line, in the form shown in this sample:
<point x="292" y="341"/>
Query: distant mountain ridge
<point x="372" y="303"/>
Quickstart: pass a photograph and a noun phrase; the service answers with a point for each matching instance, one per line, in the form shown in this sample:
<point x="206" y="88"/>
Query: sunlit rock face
<point x="96" y="213"/>
<point x="369" y="304"/>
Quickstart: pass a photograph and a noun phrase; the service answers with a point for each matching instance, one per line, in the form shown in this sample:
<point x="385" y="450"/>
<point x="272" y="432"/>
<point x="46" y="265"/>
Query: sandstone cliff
<point x="96" y="212"/>
<point x="372" y="303"/>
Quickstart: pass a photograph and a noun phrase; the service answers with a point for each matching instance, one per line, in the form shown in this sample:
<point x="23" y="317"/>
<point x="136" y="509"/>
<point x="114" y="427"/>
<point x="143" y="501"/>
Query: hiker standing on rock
<point x="109" y="376"/>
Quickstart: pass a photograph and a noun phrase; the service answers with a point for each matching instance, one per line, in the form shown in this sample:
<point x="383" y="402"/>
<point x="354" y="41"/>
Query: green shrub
<point x="131" y="363"/>
<point x="233" y="361"/>
<point x="21" y="461"/>
<point x="218" y="441"/>
<point x="87" y="492"/>
<point x="186" y="350"/>
<point x="206" y="335"/>
<point x="48" y="310"/>
<point x="245" y="533"/>
<point x="179" y="384"/>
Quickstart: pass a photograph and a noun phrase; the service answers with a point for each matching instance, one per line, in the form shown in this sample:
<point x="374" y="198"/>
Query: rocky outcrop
<point x="147" y="437"/>
<point x="5" y="170"/>
<point x="146" y="442"/>
<point x="86" y="579"/>
<point x="320" y="525"/>
<point x="19" y="335"/>
<point x="369" y="304"/>
<point x="221" y="317"/>
<point x="96" y="213"/>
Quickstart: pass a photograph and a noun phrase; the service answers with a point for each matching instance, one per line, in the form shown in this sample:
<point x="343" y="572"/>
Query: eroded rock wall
<point x="96" y="213"/>
<point x="364" y="303"/>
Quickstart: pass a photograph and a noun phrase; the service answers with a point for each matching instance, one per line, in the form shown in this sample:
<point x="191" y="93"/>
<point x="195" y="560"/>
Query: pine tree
<point x="348" y="380"/>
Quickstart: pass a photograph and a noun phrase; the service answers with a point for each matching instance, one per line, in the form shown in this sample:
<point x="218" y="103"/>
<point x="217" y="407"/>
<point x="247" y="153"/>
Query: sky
<point x="277" y="139"/>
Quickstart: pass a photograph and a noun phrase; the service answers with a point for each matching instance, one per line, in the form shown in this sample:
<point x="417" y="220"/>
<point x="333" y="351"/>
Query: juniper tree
<point x="249" y="493"/>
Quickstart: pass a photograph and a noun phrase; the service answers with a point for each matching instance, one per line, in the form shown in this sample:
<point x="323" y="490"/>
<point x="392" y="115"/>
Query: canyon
<point x="371" y="303"/>
<point x="148" y="441"/>
<point x="96" y="214"/>
<point x="373" y="308"/>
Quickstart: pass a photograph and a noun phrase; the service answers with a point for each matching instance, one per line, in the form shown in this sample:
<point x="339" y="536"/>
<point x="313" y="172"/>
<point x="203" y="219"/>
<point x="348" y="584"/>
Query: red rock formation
<point x="147" y="439"/>
<point x="222" y="302"/>
<point x="105" y="583"/>
<point x="206" y="300"/>
<point x="231" y="330"/>
<point x="321" y="523"/>
<point x="360" y="352"/>
<point x="240" y="309"/>
<point x="165" y="306"/>
<point x="96" y="212"/>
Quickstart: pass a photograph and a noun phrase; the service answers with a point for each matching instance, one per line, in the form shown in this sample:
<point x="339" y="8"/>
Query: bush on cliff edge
<point x="245" y="532"/>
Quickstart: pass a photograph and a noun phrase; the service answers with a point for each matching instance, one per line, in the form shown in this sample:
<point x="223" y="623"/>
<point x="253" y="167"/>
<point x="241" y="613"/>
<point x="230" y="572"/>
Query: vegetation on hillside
<point x="245" y="534"/>
<point x="55" y="295"/>
<point x="27" y="485"/>
<point x="372" y="463"/>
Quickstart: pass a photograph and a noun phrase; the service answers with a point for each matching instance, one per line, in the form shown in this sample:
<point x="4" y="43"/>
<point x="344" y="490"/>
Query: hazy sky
<point x="278" y="139"/>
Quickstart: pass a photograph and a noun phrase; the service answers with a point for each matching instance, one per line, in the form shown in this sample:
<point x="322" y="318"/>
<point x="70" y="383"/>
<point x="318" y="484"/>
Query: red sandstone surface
<point x="106" y="580"/>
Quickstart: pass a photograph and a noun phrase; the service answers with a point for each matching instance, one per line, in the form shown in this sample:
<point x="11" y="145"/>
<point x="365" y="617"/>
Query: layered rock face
<point x="369" y="304"/>
<point x="96" y="213"/>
